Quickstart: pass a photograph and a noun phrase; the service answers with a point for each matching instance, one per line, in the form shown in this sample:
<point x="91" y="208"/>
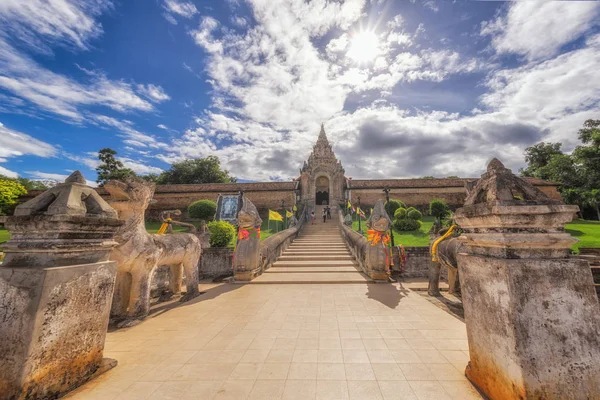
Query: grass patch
<point x="588" y="233"/>
<point x="418" y="238"/>
<point x="266" y="229"/>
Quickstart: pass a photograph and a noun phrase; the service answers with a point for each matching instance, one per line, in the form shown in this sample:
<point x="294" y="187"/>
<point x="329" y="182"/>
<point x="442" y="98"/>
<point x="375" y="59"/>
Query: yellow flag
<point x="295" y="208"/>
<point x="289" y="214"/>
<point x="349" y="205"/>
<point x="275" y="216"/>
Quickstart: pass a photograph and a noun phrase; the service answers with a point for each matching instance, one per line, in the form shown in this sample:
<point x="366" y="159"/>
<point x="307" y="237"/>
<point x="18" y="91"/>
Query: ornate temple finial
<point x="495" y="165"/>
<point x="322" y="134"/>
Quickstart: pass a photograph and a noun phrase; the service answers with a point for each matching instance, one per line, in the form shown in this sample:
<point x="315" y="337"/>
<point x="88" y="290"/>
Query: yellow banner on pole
<point x="289" y="214"/>
<point x="275" y="216"/>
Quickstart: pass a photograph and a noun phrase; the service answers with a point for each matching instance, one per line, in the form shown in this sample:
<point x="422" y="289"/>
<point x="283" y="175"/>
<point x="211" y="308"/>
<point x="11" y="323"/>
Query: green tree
<point x="428" y="177"/>
<point x="111" y="168"/>
<point x="198" y="170"/>
<point x="591" y="198"/>
<point x="202" y="209"/>
<point x="10" y="190"/>
<point x="587" y="156"/>
<point x="538" y="156"/>
<point x="439" y="209"/>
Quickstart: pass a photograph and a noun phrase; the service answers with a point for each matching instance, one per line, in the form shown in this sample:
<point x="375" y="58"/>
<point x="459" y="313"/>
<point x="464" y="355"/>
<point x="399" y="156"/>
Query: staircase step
<point x="318" y="263"/>
<point x="310" y="277"/>
<point x="278" y="270"/>
<point x="316" y="253"/>
<point x="316" y="258"/>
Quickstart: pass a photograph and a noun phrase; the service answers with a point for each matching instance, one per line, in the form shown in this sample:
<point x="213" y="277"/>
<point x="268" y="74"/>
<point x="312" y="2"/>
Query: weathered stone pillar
<point x="378" y="254"/>
<point x="532" y="315"/>
<point x="246" y="259"/>
<point x="56" y="285"/>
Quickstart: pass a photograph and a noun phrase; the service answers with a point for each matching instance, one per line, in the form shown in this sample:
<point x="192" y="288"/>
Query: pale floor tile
<point x="332" y="390"/>
<point x="431" y="356"/>
<point x="234" y="390"/>
<point x="355" y="356"/>
<point x="274" y="371"/>
<point x="455" y="356"/>
<point x="171" y="391"/>
<point x="420" y="344"/>
<point x="331" y="372"/>
<point x="445" y="372"/>
<point x="280" y="356"/>
<point x="330" y="356"/>
<point x="352" y="344"/>
<point x="302" y="370"/>
<point x="329" y="334"/>
<point x="397" y="390"/>
<point x="407" y="356"/>
<point x="364" y="390"/>
<point x="349" y="334"/>
<point x="246" y="371"/>
<point x="283" y="343"/>
<point x="255" y="356"/>
<point x="216" y="357"/>
<point x="461" y="390"/>
<point x="417" y="372"/>
<point x="411" y="334"/>
<point x="267" y="390"/>
<point x="429" y="390"/>
<point x="160" y="373"/>
<point x="262" y="344"/>
<point x="388" y="372"/>
<point x="359" y="372"/>
<point x="391" y="334"/>
<point x="397" y="344"/>
<point x="329" y="344"/>
<point x="309" y="333"/>
<point x="139" y="391"/>
<point x="307" y="344"/>
<point x="375" y="344"/>
<point x="195" y="372"/>
<point x="302" y="355"/>
<point x="300" y="390"/>
<point x="381" y="356"/>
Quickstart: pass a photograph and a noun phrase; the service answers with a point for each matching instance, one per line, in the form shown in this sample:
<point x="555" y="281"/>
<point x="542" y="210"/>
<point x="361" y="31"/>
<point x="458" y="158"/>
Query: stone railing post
<point x="56" y="285"/>
<point x="378" y="253"/>
<point x="532" y="315"/>
<point x="246" y="258"/>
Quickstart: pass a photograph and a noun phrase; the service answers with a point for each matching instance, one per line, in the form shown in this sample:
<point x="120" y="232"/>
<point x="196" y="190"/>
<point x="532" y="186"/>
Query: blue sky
<point x="405" y="88"/>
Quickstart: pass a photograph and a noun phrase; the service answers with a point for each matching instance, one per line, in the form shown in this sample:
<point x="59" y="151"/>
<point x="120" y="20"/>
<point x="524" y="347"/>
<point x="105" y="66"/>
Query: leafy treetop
<point x="196" y="171"/>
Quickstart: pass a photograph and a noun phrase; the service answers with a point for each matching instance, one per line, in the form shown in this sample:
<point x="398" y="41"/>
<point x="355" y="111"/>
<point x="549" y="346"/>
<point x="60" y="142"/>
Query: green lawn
<point x="588" y="233"/>
<point x="418" y="238"/>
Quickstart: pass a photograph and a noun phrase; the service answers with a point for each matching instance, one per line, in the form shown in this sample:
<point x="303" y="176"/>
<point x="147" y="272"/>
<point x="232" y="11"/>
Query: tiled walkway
<point x="360" y="341"/>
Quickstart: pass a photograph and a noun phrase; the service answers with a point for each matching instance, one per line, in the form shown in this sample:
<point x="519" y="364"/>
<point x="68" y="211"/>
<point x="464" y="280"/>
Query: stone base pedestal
<point x="54" y="323"/>
<point x="376" y="260"/>
<point x="246" y="261"/>
<point x="216" y="261"/>
<point x="533" y="327"/>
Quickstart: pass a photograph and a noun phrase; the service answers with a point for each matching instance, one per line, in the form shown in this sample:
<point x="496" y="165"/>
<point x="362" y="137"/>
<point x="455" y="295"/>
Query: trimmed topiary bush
<point x="221" y="233"/>
<point x="393" y="205"/>
<point x="409" y="209"/>
<point x="202" y="209"/>
<point x="414" y="214"/>
<point x="407" y="224"/>
<point x="400" y="213"/>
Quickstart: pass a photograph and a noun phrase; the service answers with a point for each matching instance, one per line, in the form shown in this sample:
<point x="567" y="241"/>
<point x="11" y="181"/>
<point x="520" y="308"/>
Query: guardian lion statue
<point x="446" y="253"/>
<point x="139" y="253"/>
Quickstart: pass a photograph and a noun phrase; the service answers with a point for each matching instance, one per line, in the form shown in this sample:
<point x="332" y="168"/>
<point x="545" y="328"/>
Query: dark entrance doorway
<point x="322" y="198"/>
<point x="322" y="191"/>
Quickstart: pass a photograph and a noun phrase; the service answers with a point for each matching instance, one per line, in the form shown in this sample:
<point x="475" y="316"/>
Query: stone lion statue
<point x="139" y="253"/>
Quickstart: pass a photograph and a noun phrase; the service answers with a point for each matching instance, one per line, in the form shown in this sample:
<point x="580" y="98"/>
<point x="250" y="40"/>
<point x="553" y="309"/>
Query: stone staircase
<point x="318" y="255"/>
<point x="593" y="257"/>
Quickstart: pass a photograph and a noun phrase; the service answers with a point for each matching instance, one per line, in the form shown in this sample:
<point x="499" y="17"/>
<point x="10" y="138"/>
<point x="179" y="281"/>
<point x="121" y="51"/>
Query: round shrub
<point x="438" y="209"/>
<point x="407" y="224"/>
<point x="393" y="205"/>
<point x="409" y="209"/>
<point x="202" y="209"/>
<point x="221" y="233"/>
<point x="400" y="213"/>
<point x="414" y="214"/>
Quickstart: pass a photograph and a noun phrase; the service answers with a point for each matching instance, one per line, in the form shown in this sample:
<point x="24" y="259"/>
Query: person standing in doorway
<point x="312" y="217"/>
<point x="324" y="215"/>
<point x="328" y="212"/>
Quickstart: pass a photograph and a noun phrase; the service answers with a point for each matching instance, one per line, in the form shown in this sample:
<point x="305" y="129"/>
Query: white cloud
<point x="538" y="29"/>
<point x="14" y="143"/>
<point x="8" y="172"/>
<point x="161" y="126"/>
<point x="153" y="92"/>
<point x="139" y="167"/>
<point x="185" y="9"/>
<point x="70" y="23"/>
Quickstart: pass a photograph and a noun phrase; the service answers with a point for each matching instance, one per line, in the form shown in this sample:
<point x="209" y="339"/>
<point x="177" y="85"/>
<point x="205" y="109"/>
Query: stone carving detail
<point x="378" y="254"/>
<point x="520" y="287"/>
<point x="348" y="220"/>
<point x="56" y="284"/>
<point x="292" y="222"/>
<point x="246" y="260"/>
<point x="166" y="216"/>
<point x="140" y="253"/>
<point x="447" y="251"/>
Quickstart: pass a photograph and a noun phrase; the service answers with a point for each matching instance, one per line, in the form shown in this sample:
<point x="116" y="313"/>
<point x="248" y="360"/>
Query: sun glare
<point x="364" y="47"/>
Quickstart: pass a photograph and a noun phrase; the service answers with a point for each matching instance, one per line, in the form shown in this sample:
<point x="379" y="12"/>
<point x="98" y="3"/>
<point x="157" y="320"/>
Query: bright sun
<point x="364" y="47"/>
